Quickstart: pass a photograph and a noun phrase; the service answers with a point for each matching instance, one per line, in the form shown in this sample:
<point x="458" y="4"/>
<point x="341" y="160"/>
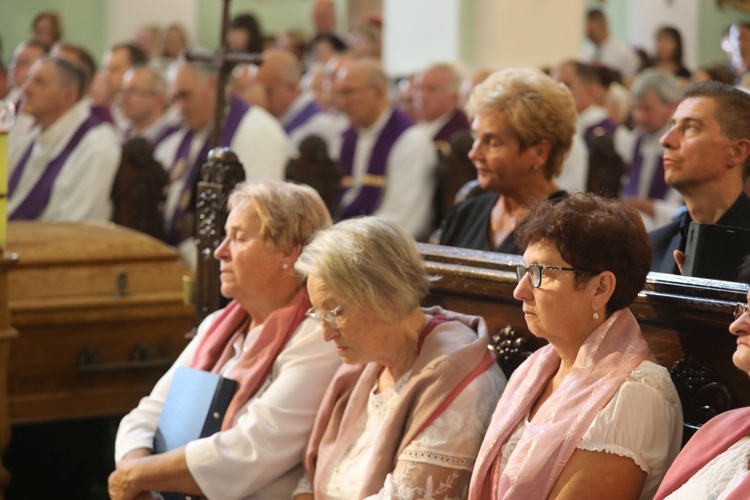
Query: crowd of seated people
<point x="591" y="170"/>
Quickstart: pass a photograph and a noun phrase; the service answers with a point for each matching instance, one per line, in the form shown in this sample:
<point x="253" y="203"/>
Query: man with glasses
<point x="143" y="101"/>
<point x="251" y="132"/>
<point x="64" y="168"/>
<point x="707" y="160"/>
<point x="388" y="162"/>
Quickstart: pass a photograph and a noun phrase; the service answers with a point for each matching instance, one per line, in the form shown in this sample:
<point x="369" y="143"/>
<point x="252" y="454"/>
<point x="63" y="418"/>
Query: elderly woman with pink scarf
<point x="405" y="414"/>
<point x="590" y="415"/>
<point x="714" y="463"/>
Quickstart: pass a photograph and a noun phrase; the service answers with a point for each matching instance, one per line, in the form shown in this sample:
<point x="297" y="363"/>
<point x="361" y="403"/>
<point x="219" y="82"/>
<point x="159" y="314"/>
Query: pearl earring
<point x="285" y="266"/>
<point x="596" y="315"/>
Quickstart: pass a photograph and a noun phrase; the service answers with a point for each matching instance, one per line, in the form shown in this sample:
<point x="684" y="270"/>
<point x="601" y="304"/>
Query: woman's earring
<point x="285" y="266"/>
<point x="596" y="315"/>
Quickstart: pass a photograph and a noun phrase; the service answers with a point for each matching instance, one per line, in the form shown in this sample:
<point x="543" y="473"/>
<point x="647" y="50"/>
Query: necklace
<point x="502" y="222"/>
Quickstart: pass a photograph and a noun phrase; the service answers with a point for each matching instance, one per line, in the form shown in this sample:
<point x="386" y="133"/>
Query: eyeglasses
<point x="739" y="310"/>
<point x="535" y="272"/>
<point x="331" y="316"/>
<point x="348" y="92"/>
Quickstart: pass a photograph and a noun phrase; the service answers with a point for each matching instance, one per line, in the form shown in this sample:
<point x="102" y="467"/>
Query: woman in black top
<point x="523" y="128"/>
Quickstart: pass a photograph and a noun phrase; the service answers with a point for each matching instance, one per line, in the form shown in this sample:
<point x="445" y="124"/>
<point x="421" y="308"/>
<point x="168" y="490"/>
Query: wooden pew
<point x="684" y="320"/>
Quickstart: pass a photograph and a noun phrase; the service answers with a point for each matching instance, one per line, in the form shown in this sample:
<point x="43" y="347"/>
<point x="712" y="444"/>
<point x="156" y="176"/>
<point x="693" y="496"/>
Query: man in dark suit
<point x="706" y="159"/>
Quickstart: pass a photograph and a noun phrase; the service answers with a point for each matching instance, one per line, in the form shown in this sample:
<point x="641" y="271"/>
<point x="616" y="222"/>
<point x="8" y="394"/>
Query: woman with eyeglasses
<point x="264" y="342"/>
<point x="590" y="415"/>
<point x="714" y="463"/>
<point x="406" y="413"/>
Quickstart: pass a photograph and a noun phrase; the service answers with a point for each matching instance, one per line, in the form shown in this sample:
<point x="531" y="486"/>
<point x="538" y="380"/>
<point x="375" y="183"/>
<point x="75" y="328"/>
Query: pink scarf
<point x="603" y="363"/>
<point x="444" y="367"/>
<point x="711" y="440"/>
<point x="255" y="364"/>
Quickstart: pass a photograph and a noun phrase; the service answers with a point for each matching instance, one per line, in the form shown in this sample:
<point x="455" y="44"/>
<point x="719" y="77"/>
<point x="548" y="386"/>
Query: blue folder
<point x="195" y="407"/>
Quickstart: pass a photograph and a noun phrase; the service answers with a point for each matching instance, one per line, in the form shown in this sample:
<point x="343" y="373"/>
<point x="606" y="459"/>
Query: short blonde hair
<point x="290" y="214"/>
<point x="370" y="262"/>
<point x="536" y="106"/>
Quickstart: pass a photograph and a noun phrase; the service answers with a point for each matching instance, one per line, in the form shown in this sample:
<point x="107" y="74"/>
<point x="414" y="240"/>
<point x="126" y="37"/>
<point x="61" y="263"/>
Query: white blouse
<point x="719" y="477"/>
<point x="643" y="422"/>
<point x="451" y="442"/>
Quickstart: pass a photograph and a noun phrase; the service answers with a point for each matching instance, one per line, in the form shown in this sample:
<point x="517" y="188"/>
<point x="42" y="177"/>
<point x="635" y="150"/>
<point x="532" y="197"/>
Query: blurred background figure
<point x="150" y="39"/>
<point x="322" y="48"/>
<point x="47" y="28"/>
<point x="175" y="41"/>
<point x="364" y="41"/>
<point x="245" y="34"/>
<point x="23" y="57"/>
<point x="324" y="16"/>
<point x="669" y="57"/>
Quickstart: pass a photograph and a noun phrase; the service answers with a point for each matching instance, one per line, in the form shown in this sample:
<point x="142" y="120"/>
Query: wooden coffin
<point x="100" y="315"/>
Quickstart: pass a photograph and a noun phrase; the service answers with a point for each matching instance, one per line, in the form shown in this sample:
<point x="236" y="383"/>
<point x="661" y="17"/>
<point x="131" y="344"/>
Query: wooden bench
<point x="684" y="320"/>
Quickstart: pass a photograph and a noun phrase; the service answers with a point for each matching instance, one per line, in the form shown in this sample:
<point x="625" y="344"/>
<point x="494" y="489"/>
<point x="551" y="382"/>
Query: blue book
<point x="195" y="407"/>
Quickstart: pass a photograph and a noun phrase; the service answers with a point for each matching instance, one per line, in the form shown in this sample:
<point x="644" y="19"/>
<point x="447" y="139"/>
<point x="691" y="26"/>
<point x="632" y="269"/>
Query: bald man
<point x="63" y="169"/>
<point x="143" y="101"/>
<point x="436" y="102"/>
<point x="388" y="162"/>
<point x="298" y="112"/>
<point x="254" y="135"/>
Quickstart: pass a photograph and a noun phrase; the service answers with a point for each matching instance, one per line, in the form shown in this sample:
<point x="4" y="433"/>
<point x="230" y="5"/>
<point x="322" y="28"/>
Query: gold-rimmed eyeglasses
<point x="330" y="316"/>
<point x="739" y="310"/>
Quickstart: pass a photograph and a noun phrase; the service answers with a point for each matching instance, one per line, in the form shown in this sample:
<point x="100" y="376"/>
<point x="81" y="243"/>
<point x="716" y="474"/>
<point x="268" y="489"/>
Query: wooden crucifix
<point x="218" y="176"/>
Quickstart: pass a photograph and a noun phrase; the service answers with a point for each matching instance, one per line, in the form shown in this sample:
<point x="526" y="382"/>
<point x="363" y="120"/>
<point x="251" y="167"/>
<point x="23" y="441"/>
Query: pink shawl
<point x="605" y="359"/>
<point x="255" y="364"/>
<point x="711" y="440"/>
<point x="446" y="364"/>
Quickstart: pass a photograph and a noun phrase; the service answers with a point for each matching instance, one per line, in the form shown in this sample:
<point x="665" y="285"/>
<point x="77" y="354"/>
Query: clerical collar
<point x="378" y="125"/>
<point x="65" y="125"/>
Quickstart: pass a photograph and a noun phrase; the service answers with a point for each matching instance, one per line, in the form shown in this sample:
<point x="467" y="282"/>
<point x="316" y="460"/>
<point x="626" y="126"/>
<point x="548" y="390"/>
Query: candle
<point x="7" y="115"/>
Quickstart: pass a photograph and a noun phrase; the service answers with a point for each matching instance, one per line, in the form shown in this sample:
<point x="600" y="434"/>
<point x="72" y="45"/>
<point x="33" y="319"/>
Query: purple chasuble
<point x="371" y="191"/>
<point x="305" y="114"/>
<point x="457" y="123"/>
<point x="237" y="110"/>
<point x="658" y="189"/>
<point x="608" y="125"/>
<point x="103" y="113"/>
<point x="38" y="197"/>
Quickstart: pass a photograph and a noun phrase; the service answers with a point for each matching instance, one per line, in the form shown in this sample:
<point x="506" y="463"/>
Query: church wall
<point x="713" y="20"/>
<point x="83" y="22"/>
<point x="274" y="16"/>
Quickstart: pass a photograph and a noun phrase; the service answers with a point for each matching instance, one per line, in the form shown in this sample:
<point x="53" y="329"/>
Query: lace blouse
<point x="620" y="428"/>
<point x="719" y="477"/>
<point x="437" y="463"/>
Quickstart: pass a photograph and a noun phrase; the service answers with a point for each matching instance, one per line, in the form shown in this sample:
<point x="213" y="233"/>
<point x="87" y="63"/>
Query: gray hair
<point x="666" y="86"/>
<point x="289" y="214"/>
<point x="69" y="74"/>
<point x="455" y="75"/>
<point x="370" y="262"/>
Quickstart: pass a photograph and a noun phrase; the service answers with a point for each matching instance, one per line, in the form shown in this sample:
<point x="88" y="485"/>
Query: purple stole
<point x="374" y="181"/>
<point x="607" y="124"/>
<point x="237" y="110"/>
<point x="305" y="114"/>
<point x="658" y="189"/>
<point x="457" y="123"/>
<point x="103" y="113"/>
<point x="37" y="199"/>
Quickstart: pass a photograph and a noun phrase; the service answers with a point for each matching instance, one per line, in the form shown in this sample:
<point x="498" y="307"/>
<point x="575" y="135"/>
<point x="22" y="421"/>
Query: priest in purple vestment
<point x="436" y="101"/>
<point x="64" y="167"/>
<point x="655" y="97"/>
<point x="298" y="111"/>
<point x="388" y="163"/>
